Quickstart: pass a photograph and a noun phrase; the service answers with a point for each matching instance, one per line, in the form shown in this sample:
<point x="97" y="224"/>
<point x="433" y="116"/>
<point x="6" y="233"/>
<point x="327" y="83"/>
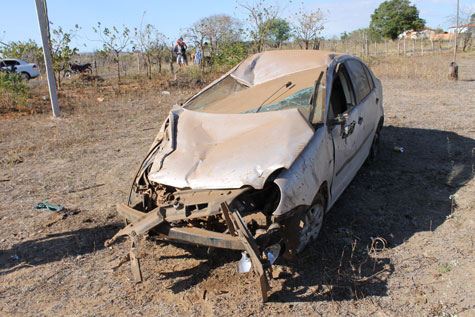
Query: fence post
<point x="367" y="44"/>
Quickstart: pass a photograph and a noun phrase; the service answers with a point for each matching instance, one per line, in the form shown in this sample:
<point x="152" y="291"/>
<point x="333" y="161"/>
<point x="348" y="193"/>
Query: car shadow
<point x="55" y="247"/>
<point x="400" y="194"/>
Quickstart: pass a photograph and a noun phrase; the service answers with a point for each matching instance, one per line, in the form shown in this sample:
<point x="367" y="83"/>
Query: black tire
<point x="374" y="150"/>
<point x="304" y="227"/>
<point x="311" y="222"/>
<point x="88" y="71"/>
<point x="25" y="76"/>
<point x="375" y="146"/>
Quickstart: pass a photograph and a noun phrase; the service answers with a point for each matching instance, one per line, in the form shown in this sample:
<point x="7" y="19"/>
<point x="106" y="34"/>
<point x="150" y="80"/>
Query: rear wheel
<point x="67" y="74"/>
<point x="374" y="150"/>
<point x="88" y="71"/>
<point x="25" y="76"/>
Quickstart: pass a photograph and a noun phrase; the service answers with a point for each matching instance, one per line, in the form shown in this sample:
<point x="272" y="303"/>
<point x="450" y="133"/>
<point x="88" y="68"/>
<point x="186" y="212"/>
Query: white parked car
<point x="27" y="70"/>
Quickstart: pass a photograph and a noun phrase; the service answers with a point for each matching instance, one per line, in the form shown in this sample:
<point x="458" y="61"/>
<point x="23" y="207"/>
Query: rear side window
<point x="370" y="78"/>
<point x="360" y="80"/>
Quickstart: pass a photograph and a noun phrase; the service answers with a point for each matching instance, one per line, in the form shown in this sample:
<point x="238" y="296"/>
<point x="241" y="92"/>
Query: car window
<point x="359" y="79"/>
<point x="342" y="97"/>
<point x="370" y="77"/>
<point x="10" y="63"/>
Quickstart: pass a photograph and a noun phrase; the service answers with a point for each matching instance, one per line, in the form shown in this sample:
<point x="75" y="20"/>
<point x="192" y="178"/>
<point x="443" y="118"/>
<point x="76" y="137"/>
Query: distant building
<point x="423" y="33"/>
<point x="462" y="28"/>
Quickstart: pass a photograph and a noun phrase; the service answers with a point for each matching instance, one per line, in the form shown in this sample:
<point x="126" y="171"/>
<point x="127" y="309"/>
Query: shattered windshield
<point x="293" y="91"/>
<point x="298" y="100"/>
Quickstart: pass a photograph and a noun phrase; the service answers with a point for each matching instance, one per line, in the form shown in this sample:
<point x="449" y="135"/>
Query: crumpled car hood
<point x="216" y="151"/>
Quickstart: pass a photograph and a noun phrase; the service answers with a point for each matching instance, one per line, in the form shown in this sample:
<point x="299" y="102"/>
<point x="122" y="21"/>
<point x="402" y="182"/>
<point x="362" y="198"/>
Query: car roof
<point x="266" y="66"/>
<point x="12" y="59"/>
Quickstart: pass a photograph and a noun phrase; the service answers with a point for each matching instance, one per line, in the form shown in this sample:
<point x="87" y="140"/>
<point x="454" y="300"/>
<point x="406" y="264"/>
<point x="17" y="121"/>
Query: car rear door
<point x="367" y="100"/>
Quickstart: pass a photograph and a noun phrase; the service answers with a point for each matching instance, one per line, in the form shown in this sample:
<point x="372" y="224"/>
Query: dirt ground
<point x="421" y="201"/>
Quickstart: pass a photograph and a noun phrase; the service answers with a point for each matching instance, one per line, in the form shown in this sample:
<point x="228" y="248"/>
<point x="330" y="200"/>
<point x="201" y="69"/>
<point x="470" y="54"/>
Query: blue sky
<point x="173" y="17"/>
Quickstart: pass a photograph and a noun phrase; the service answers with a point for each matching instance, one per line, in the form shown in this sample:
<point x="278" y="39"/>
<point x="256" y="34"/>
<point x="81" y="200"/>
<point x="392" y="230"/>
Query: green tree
<point x="13" y="91"/>
<point x="61" y="51"/>
<point x="259" y="14"/>
<point x="151" y="45"/>
<point x="230" y="54"/>
<point x="216" y="29"/>
<point x="114" y="41"/>
<point x="307" y="27"/>
<point x="393" y="17"/>
<point x="279" y="32"/>
<point x="28" y="51"/>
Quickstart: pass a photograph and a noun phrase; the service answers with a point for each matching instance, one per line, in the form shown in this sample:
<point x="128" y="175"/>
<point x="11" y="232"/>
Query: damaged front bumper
<point x="187" y="218"/>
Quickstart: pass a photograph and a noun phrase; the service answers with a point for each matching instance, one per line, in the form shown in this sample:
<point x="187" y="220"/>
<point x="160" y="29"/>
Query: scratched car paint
<point x="255" y="160"/>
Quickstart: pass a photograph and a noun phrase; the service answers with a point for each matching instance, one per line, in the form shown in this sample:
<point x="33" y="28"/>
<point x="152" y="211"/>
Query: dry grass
<point x="434" y="67"/>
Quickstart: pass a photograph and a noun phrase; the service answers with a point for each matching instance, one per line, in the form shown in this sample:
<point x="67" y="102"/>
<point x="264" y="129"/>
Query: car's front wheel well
<point x="325" y="193"/>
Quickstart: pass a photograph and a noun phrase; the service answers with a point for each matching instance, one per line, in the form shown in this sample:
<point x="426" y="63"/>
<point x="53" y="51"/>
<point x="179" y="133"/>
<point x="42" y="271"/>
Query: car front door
<point x="342" y="122"/>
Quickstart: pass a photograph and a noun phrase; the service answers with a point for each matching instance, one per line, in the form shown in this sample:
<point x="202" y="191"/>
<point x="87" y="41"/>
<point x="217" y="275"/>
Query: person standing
<point x="206" y="54"/>
<point x="197" y="59"/>
<point x="184" y="48"/>
<point x="180" y="51"/>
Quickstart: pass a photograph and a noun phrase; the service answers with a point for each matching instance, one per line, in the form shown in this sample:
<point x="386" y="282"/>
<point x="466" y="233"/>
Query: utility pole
<point x="456" y="33"/>
<point x="43" y="24"/>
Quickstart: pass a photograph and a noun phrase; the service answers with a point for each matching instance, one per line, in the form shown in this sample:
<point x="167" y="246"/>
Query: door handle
<point x="360" y="120"/>
<point x="348" y="129"/>
<point x="377" y="100"/>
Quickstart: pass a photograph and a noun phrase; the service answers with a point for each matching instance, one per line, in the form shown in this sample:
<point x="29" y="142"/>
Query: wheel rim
<point x="310" y="225"/>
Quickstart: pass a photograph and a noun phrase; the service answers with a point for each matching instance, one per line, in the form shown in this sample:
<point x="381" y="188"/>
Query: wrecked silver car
<point x="255" y="160"/>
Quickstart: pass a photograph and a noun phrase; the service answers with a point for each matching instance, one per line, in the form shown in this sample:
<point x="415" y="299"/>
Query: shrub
<point x="13" y="92"/>
<point x="230" y="54"/>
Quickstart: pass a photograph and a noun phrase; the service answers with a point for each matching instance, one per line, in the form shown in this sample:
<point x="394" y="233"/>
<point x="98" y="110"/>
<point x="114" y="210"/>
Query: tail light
<point x="35" y="67"/>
